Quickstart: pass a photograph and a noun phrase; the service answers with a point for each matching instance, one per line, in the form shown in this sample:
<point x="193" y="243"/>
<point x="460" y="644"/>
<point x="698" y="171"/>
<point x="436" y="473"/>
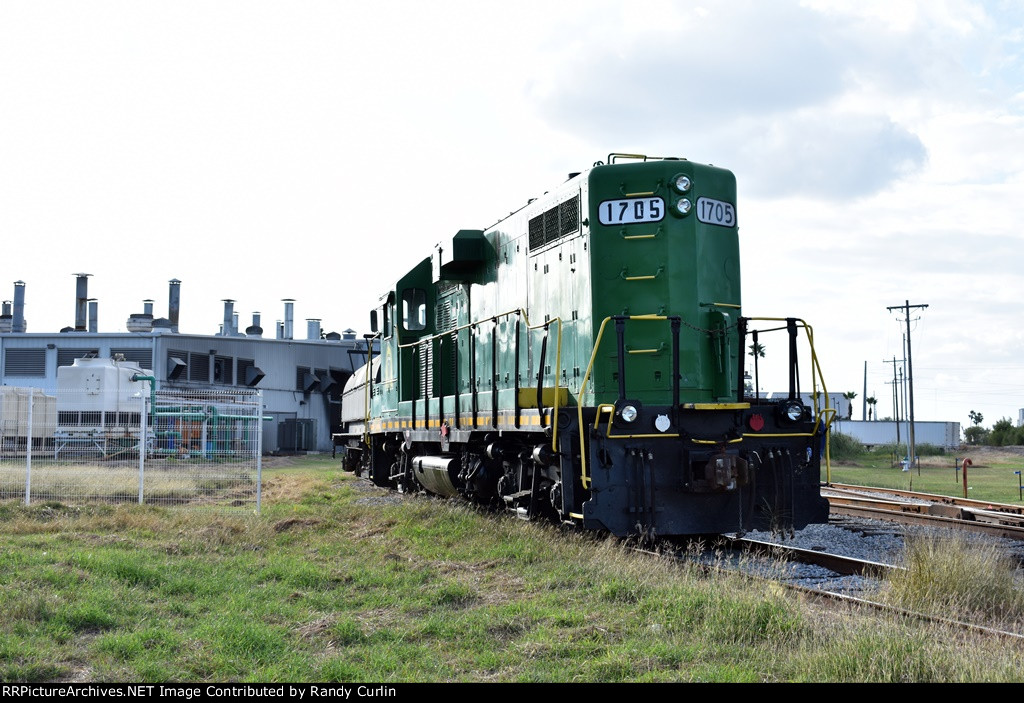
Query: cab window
<point x="414" y="309"/>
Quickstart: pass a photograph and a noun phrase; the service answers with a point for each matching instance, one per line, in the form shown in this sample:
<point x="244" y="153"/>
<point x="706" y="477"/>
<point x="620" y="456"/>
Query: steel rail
<point x="933" y="497"/>
<point x="913" y="518"/>
<point x="847" y="566"/>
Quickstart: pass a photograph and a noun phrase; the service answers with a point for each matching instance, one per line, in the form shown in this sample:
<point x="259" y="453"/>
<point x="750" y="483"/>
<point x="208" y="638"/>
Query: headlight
<point x="793" y="411"/>
<point x="682" y="183"/>
<point x="683" y="206"/>
<point x="628" y="413"/>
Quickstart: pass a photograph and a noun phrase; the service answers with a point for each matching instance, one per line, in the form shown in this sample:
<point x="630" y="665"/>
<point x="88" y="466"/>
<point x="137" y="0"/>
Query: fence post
<point x="259" y="450"/>
<point x="28" y="450"/>
<point x="142" y="446"/>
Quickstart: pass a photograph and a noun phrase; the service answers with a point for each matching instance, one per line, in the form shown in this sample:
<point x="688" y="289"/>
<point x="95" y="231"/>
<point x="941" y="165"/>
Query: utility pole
<point x="906" y="307"/>
<point x="864" y="398"/>
<point x="896" y="386"/>
<point x="903" y="390"/>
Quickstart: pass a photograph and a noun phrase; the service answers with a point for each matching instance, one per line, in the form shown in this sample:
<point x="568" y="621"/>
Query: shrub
<point x="976" y="435"/>
<point x="843" y="446"/>
<point x="1004" y="434"/>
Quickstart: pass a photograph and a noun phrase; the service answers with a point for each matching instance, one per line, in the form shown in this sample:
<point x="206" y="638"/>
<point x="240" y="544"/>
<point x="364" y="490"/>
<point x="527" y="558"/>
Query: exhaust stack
<point x="19" y="324"/>
<point x="81" y="301"/>
<point x="174" y="304"/>
<point x="289" y="316"/>
<point x="229" y="318"/>
<point x="312" y="328"/>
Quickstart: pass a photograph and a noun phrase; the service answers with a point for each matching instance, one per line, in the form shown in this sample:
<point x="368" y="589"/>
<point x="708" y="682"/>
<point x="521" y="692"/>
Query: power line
<point x="910" y="377"/>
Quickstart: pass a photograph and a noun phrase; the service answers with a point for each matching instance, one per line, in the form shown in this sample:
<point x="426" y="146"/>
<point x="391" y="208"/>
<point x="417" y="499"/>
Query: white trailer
<point x="873" y="433"/>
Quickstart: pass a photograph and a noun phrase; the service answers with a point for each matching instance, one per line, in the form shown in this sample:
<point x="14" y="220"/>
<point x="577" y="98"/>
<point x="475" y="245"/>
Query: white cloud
<point x="258" y="150"/>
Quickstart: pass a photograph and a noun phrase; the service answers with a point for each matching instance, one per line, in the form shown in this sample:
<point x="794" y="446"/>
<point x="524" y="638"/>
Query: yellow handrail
<point x="823" y="416"/>
<point x="369" y="377"/>
<point x="579" y="405"/>
<point x="583" y="386"/>
<point x="640" y="236"/>
<point x="601" y="409"/>
<point x="558" y="368"/>
<point x="649" y="277"/>
<point x="522" y="313"/>
<point x="827" y="413"/>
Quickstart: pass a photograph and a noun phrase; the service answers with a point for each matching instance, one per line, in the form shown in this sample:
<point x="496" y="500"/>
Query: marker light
<point x="628" y="413"/>
<point x="683" y="206"/>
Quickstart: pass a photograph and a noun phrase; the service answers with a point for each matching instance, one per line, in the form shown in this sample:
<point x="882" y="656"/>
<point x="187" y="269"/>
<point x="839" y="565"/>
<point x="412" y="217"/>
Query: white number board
<point x="626" y="212"/>
<point x="716" y="212"/>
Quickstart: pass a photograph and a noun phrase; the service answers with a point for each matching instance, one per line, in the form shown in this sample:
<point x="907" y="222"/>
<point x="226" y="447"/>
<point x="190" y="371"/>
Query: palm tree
<point x="757" y="352"/>
<point x="871" y="400"/>
<point x="850" y="396"/>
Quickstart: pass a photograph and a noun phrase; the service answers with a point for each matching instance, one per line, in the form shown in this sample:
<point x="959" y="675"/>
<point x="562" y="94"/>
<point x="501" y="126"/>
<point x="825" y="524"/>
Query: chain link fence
<point x="189" y="447"/>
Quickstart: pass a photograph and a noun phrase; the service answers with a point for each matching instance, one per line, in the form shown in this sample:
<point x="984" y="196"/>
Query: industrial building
<point x="301" y="380"/>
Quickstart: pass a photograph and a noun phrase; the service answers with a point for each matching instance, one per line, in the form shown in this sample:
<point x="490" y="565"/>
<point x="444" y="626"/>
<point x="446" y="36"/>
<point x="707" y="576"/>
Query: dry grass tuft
<point x="957" y="578"/>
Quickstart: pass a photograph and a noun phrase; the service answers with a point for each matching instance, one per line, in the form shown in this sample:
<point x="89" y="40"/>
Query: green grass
<point x="338" y="581"/>
<point x="118" y="481"/>
<point x="989" y="477"/>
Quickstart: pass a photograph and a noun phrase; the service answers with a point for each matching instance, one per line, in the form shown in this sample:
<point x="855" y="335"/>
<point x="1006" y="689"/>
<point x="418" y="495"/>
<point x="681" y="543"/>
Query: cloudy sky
<point x="316" y="150"/>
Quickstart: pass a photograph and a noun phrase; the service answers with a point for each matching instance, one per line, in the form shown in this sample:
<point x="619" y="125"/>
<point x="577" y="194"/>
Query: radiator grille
<point x="556" y="222"/>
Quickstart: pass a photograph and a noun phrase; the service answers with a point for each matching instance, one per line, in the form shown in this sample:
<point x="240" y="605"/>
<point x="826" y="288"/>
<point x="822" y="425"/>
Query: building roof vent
<point x="6" y="318"/>
<point x="254" y="330"/>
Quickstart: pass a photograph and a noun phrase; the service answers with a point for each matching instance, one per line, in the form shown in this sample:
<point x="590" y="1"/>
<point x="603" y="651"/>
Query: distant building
<point x="301" y="379"/>
<point x="873" y="433"/>
<point x="879" y="432"/>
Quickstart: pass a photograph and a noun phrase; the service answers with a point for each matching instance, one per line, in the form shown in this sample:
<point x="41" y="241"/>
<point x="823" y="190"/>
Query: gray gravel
<point x="862" y="538"/>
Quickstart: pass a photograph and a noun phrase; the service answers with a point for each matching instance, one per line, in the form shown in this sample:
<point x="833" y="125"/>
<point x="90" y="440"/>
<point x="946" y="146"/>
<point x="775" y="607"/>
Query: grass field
<point x="338" y="581"/>
<point x="222" y="483"/>
<point x="990" y="475"/>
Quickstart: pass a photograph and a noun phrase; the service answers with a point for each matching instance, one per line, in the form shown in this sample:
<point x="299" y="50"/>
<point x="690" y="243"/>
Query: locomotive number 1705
<point x="625" y="212"/>
<point x="716" y="212"/>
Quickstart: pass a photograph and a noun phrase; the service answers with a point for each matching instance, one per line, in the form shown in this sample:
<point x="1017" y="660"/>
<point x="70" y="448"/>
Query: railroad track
<point x="908" y="507"/>
<point x="837" y="564"/>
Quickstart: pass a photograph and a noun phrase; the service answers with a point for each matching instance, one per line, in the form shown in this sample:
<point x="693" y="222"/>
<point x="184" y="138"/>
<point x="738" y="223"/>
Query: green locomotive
<point x="583" y="359"/>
